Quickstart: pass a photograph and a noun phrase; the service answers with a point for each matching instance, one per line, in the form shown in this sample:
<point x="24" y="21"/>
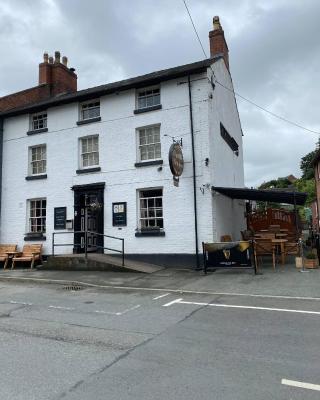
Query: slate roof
<point x="152" y="78"/>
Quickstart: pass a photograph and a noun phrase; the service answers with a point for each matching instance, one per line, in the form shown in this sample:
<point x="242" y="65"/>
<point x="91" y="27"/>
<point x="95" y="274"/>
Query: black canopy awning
<point x="276" y="196"/>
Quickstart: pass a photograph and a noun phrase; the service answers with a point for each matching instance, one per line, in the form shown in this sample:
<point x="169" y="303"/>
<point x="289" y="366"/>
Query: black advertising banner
<point x="119" y="214"/>
<point x="60" y="216"/>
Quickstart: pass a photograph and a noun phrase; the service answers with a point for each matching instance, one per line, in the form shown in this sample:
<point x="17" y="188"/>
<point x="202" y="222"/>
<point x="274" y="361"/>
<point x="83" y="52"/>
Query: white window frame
<point x="89" y="105"/>
<point x="32" y="216"/>
<point x="146" y="94"/>
<point x="150" y="210"/>
<point x="81" y="163"/>
<point x="42" y="159"/>
<point x="35" y="121"/>
<point x="139" y="132"/>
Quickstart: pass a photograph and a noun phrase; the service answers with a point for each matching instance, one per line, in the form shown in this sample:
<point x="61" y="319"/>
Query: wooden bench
<point x="30" y="253"/>
<point x="5" y="251"/>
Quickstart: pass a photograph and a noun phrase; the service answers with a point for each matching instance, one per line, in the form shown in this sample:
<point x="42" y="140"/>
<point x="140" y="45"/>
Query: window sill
<point x="146" y="109"/>
<point x="148" y="163"/>
<point x="88" y="121"/>
<point x="37" y="131"/>
<point x="36" y="177"/>
<point x="88" y="170"/>
<point x="34" y="237"/>
<point x="150" y="232"/>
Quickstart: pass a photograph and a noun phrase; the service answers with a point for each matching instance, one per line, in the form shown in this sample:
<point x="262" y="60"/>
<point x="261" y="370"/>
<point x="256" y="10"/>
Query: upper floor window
<point x="38" y="160"/>
<point x="39" y="121"/>
<point x="149" y="145"/>
<point x="90" y="110"/>
<point x="148" y="98"/>
<point x="89" y="151"/>
<point x="37" y="215"/>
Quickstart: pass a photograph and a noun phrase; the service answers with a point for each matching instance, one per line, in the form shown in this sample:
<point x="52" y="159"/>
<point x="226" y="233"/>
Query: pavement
<point x="286" y="281"/>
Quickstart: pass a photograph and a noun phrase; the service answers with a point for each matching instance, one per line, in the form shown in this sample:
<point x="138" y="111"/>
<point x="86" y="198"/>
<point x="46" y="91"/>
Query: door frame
<point x="82" y="190"/>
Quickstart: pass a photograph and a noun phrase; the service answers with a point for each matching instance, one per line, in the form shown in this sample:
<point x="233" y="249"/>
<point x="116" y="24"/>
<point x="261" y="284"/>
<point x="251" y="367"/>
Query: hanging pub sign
<point x="60" y="216"/>
<point x="119" y="214"/>
<point x="176" y="162"/>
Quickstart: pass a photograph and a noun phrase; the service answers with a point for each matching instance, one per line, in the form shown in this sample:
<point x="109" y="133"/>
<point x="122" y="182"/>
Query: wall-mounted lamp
<point x="159" y="169"/>
<point x="204" y="187"/>
<point x="206" y="161"/>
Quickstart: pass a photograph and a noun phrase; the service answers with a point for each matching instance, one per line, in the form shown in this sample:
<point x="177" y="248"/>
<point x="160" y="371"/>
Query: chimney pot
<point x="45" y="57"/>
<point x="57" y="57"/>
<point x="50" y="60"/>
<point x="65" y="61"/>
<point x="216" y="23"/>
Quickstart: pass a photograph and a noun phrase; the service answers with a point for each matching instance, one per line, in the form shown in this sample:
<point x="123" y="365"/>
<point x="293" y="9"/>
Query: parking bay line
<point x="303" y="385"/>
<point x="160" y="297"/>
<point x="181" y="301"/>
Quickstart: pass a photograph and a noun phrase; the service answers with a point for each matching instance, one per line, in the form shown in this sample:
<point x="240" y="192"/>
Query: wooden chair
<point x="264" y="248"/>
<point x="30" y="253"/>
<point x="5" y="250"/>
<point x="292" y="248"/>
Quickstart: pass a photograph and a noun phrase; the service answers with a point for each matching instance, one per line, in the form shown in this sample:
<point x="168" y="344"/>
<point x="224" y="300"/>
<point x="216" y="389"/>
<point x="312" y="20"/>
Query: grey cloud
<point x="274" y="57"/>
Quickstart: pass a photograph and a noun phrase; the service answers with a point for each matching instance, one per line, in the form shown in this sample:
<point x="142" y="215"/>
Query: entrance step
<point x="97" y="262"/>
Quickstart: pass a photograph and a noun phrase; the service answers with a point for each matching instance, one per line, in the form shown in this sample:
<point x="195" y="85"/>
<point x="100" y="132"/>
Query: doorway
<point x="88" y="217"/>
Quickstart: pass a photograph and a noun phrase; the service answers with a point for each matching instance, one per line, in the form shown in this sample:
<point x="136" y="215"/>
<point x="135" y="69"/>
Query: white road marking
<point x="160" y="297"/>
<point x="180" y="301"/>
<point x="106" y="312"/>
<point x="62" y="308"/>
<point x="21" y="302"/>
<point x="181" y="291"/>
<point x="129" y="309"/>
<point x="172" y="302"/>
<point x="298" y="384"/>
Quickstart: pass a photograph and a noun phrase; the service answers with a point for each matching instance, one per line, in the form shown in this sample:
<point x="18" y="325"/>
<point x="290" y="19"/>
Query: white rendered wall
<point x="225" y="166"/>
<point x="117" y="152"/>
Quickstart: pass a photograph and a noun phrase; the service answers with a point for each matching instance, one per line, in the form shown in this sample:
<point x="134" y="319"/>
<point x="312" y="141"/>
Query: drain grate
<point x="73" y="288"/>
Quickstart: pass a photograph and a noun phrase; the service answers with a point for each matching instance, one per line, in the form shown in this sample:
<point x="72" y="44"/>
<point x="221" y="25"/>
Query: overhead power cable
<point x="238" y="94"/>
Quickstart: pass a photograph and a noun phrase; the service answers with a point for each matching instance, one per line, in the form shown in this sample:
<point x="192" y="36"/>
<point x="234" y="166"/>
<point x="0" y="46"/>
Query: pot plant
<point x="311" y="260"/>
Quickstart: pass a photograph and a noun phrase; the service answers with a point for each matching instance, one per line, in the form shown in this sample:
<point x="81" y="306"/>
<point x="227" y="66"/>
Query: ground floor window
<point x="150" y="209"/>
<point x="37" y="215"/>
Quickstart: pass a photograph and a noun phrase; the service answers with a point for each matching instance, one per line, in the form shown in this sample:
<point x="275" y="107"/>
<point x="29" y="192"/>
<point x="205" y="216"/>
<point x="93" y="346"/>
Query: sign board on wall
<point x="60" y="216"/>
<point x="119" y="214"/>
<point x="176" y="162"/>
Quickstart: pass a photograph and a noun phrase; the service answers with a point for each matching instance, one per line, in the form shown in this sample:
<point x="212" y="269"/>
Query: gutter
<point x="194" y="177"/>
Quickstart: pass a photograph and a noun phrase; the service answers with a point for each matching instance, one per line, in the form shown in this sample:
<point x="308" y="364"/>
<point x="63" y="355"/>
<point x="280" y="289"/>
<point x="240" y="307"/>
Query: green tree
<point x="306" y="167"/>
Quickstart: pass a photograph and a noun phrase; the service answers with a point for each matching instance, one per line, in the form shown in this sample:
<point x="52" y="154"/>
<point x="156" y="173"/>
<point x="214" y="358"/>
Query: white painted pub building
<point x="97" y="159"/>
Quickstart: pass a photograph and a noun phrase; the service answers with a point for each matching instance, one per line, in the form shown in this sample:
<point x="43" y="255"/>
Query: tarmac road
<point x="119" y="344"/>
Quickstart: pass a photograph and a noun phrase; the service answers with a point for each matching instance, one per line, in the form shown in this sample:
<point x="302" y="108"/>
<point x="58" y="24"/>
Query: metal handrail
<point x="86" y="242"/>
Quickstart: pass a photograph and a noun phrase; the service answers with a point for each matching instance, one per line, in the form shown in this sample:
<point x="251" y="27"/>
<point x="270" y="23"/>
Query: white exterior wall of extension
<point x="226" y="167"/>
<point x="118" y="155"/>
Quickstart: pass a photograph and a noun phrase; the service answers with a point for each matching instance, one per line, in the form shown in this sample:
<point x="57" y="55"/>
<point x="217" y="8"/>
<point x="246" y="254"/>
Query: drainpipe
<point x="194" y="178"/>
<point x="1" y="151"/>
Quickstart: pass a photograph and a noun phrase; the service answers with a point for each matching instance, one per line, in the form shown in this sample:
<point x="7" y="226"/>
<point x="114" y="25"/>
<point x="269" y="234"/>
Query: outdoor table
<point x="281" y="235"/>
<point x="280" y="243"/>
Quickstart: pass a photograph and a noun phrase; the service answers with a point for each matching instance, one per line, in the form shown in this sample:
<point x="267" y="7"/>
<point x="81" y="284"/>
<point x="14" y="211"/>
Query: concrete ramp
<point x="97" y="262"/>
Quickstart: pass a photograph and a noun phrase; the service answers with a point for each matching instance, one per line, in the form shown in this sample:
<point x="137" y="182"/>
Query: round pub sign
<point x="176" y="159"/>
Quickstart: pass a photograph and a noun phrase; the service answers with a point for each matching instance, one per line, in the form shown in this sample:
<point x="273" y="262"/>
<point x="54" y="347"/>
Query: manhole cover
<point x="73" y="288"/>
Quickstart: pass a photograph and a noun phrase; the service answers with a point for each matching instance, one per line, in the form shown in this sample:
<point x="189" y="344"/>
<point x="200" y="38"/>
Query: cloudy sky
<point x="274" y="58"/>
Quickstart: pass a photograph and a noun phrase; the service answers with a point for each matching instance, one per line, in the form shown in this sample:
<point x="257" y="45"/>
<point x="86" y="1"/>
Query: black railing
<point x="85" y="244"/>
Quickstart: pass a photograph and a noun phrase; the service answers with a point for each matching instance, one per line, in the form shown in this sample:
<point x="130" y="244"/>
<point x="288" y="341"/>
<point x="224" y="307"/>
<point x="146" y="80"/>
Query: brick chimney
<point x="218" y="44"/>
<point x="54" y="78"/>
<point x="56" y="74"/>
